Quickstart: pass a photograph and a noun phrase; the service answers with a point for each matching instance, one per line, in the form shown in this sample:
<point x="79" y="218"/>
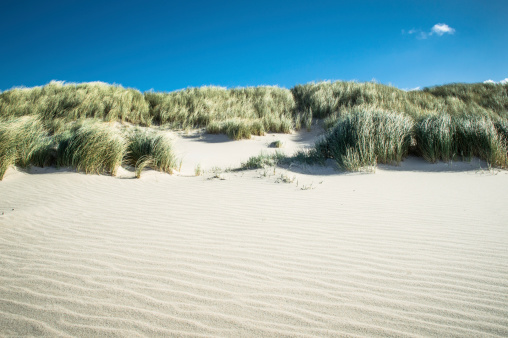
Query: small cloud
<point x="505" y="81"/>
<point x="418" y="32"/>
<point x="411" y="89"/>
<point x="442" y="28"/>
<point x="438" y="29"/>
<point x="488" y="81"/>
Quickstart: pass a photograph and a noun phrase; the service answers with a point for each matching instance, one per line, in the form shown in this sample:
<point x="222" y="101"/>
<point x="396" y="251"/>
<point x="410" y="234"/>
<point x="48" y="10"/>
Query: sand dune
<point x="413" y="250"/>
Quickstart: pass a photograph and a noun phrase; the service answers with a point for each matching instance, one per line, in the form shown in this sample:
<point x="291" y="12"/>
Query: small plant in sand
<point x="198" y="171"/>
<point x="217" y="173"/>
<point x="284" y="178"/>
<point x="276" y="144"/>
<point x="263" y="160"/>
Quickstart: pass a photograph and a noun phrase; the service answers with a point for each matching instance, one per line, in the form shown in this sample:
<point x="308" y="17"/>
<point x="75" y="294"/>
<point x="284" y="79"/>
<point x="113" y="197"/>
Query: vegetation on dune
<point x="236" y="129"/>
<point x="331" y="100"/>
<point x="92" y="147"/>
<point x="477" y="136"/>
<point x="150" y="149"/>
<point x="476" y="97"/>
<point x="368" y="123"/>
<point x="70" y="102"/>
<point x="366" y="138"/>
<point x="444" y="137"/>
<point x="265" y="160"/>
<point x="24" y="142"/>
<point x="237" y="112"/>
<point x="434" y="138"/>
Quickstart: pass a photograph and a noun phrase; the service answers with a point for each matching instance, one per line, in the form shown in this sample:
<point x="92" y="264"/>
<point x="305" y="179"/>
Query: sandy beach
<point x="412" y="250"/>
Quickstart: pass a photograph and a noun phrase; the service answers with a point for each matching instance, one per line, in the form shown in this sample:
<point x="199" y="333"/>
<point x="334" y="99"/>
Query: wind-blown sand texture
<point x="419" y="249"/>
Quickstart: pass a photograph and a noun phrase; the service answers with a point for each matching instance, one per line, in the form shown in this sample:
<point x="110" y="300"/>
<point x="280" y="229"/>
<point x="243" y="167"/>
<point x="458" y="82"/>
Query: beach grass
<point x="238" y="112"/>
<point x="366" y="138"/>
<point x="24" y="142"/>
<point x="264" y="160"/>
<point x="69" y="101"/>
<point x="92" y="147"/>
<point x="368" y="123"/>
<point x="435" y="138"/>
<point x="148" y="148"/>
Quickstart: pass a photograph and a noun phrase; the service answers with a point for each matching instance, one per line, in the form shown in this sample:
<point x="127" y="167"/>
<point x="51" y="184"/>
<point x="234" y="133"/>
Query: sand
<point x="415" y="250"/>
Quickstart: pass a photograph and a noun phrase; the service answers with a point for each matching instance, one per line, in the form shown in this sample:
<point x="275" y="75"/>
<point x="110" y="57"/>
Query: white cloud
<point x="505" y="81"/>
<point x="442" y="28"/>
<point x="438" y="29"/>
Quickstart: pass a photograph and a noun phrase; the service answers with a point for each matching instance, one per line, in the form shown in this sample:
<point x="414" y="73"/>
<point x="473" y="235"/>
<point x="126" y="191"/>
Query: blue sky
<point x="164" y="45"/>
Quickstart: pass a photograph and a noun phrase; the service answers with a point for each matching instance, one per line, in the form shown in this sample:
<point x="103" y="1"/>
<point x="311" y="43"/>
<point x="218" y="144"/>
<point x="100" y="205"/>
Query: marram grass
<point x="238" y="112"/>
<point x="58" y="100"/>
<point x="276" y="109"/>
<point x="444" y="137"/>
<point x="24" y="142"/>
<point x="477" y="136"/>
<point x="150" y="149"/>
<point x="331" y="100"/>
<point x="366" y="138"/>
<point x="435" y="138"/>
<point x="93" y="147"/>
<point x="369" y="123"/>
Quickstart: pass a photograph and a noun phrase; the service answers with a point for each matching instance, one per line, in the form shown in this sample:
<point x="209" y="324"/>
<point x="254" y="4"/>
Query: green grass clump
<point x="24" y="142"/>
<point x="237" y="129"/>
<point x="501" y="126"/>
<point x="435" y="138"/>
<point x="150" y="149"/>
<point x="443" y="137"/>
<point x="76" y="101"/>
<point x="276" y="144"/>
<point x="92" y="147"/>
<point x="477" y="136"/>
<point x="264" y="160"/>
<point x="368" y="137"/>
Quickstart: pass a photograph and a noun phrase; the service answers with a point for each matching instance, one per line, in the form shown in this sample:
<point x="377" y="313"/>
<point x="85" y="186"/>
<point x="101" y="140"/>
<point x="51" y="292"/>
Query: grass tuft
<point x="92" y="147"/>
<point x="367" y="138"/>
<point x="264" y="160"/>
<point x="150" y="149"/>
<point x="24" y="142"/>
<point x="435" y="138"/>
<point x="477" y="136"/>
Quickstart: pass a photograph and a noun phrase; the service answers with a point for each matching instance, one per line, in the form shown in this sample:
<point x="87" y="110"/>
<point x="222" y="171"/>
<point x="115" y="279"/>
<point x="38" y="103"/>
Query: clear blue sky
<point x="165" y="45"/>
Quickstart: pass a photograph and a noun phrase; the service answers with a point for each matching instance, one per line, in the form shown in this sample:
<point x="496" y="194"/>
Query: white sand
<point x="419" y="249"/>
